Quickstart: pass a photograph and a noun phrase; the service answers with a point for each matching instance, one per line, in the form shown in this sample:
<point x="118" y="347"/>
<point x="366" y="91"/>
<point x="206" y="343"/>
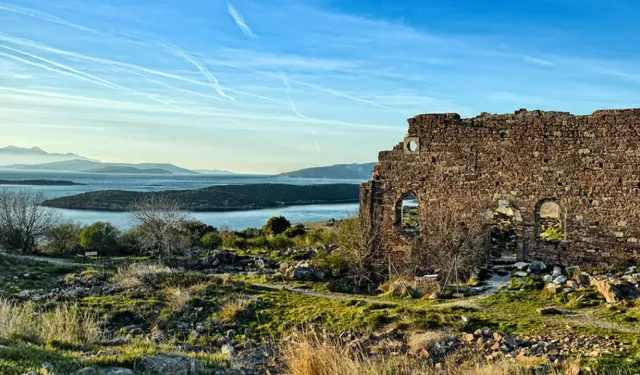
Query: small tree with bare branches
<point x="157" y="217"/>
<point x="453" y="239"/>
<point x="22" y="220"/>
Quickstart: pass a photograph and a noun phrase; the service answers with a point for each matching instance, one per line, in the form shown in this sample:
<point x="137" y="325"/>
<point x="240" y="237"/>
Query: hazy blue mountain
<point x="213" y="171"/>
<point x="129" y="170"/>
<point x="89" y="166"/>
<point x="353" y="171"/>
<point x="34" y="155"/>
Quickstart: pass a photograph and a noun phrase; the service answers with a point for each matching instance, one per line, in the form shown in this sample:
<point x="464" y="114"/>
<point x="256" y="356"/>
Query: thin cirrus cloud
<point x="298" y="85"/>
<point x="239" y="20"/>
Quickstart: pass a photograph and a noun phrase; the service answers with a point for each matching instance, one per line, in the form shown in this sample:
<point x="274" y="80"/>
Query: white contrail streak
<point x="239" y="20"/>
<point x="293" y="105"/>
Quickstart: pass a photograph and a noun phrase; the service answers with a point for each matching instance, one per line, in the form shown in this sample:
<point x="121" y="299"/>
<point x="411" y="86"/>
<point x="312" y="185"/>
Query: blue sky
<point x="271" y="86"/>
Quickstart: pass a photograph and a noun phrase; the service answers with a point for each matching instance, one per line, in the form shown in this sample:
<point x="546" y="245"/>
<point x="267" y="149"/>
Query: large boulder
<point x="613" y="290"/>
<point x="171" y="365"/>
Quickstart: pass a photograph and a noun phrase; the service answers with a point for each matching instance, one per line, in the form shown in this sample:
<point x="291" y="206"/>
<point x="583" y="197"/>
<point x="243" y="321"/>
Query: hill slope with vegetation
<point x="343" y="171"/>
<point x="217" y="198"/>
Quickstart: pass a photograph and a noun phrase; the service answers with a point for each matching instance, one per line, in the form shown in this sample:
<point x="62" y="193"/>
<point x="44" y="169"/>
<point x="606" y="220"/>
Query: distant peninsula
<point x="39" y="182"/>
<point x="218" y="198"/>
<point x="128" y="170"/>
<point x="339" y="171"/>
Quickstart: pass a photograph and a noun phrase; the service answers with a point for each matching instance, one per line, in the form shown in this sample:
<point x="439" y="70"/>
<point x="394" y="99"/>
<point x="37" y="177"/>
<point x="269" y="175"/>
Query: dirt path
<point x="55" y="261"/>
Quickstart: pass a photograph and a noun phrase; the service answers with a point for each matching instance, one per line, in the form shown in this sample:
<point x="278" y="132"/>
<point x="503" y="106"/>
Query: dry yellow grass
<point x="68" y="323"/>
<point x="177" y="298"/>
<point x="65" y="323"/>
<point x="133" y="275"/>
<point x="232" y="308"/>
<point x="17" y="321"/>
<point x="309" y="354"/>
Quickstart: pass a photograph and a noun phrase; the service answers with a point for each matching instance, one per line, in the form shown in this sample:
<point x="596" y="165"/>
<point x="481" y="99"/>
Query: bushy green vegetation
<point x="217" y="198"/>
<point x="211" y="241"/>
<point x="276" y="225"/>
<point x="63" y="239"/>
<point x="102" y="237"/>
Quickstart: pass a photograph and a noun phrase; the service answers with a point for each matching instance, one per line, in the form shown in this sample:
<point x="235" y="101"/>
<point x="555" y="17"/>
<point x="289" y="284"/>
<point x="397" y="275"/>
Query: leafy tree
<point x="211" y="241"/>
<point x="130" y="241"/>
<point x="102" y="237"/>
<point x="62" y="239"/>
<point x="276" y="225"/>
<point x="193" y="231"/>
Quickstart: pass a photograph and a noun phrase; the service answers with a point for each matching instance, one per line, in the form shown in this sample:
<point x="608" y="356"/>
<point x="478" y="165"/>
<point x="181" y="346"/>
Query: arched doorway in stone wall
<point x="505" y="233"/>
<point x="549" y="221"/>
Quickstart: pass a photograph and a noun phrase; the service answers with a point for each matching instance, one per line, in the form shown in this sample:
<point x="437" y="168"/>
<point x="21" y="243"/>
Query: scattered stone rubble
<point x="614" y="288"/>
<point x="557" y="347"/>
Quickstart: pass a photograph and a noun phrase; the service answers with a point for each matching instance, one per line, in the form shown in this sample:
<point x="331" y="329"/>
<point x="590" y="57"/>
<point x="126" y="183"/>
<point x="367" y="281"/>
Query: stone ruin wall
<point x="588" y="165"/>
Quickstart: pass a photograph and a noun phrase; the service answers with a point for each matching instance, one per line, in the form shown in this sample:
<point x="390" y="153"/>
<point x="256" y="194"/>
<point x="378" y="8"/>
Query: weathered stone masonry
<point x="588" y="165"/>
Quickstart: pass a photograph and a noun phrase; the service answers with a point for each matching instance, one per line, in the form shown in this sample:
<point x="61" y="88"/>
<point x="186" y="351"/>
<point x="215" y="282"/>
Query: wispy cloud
<point x="239" y="20"/>
<point x="44" y="17"/>
<point x="293" y="105"/>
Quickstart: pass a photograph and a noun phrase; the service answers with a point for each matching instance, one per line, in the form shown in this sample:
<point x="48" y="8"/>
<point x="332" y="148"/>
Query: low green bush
<point x="63" y="239"/>
<point x="211" y="241"/>
<point x="280" y="242"/>
<point x="276" y="225"/>
<point x="337" y="262"/>
<point x="193" y="231"/>
<point x="102" y="237"/>
<point x="295" y="231"/>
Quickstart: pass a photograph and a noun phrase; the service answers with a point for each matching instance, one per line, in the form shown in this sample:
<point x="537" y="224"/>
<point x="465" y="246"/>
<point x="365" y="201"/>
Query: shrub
<point x="250" y="233"/>
<point x="280" y="242"/>
<point x="231" y="241"/>
<point x="260" y="242"/>
<point x="63" y="239"/>
<point x="276" y="225"/>
<point x="211" y="241"/>
<point x="295" y="231"/>
<point x="102" y="237"/>
<point x="337" y="262"/>
<point x="193" y="231"/>
<point x="130" y="241"/>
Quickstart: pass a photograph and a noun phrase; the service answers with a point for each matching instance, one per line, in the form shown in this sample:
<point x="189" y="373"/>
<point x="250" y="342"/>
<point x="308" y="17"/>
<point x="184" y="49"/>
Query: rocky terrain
<point x="235" y="311"/>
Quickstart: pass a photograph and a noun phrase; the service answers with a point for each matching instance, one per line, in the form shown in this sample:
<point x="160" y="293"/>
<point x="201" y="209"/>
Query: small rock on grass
<point x="87" y="371"/>
<point x="116" y="371"/>
<point x="550" y="311"/>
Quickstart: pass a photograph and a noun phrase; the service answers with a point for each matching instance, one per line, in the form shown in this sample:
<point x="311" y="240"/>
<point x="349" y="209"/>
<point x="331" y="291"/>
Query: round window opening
<point x="412" y="146"/>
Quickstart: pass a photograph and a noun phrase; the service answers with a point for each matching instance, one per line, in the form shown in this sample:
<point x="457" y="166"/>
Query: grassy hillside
<point x="343" y="171"/>
<point x="218" y="198"/>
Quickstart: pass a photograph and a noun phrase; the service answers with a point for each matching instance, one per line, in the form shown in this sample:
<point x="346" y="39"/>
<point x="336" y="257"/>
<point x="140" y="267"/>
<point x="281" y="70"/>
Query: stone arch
<point x="407" y="215"/>
<point x="506" y="230"/>
<point x="550" y="220"/>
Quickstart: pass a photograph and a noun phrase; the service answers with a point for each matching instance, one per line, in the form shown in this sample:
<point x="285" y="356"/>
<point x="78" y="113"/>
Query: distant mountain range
<point x="88" y="166"/>
<point x="128" y="170"/>
<point x="341" y="171"/>
<point x="34" y="155"/>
